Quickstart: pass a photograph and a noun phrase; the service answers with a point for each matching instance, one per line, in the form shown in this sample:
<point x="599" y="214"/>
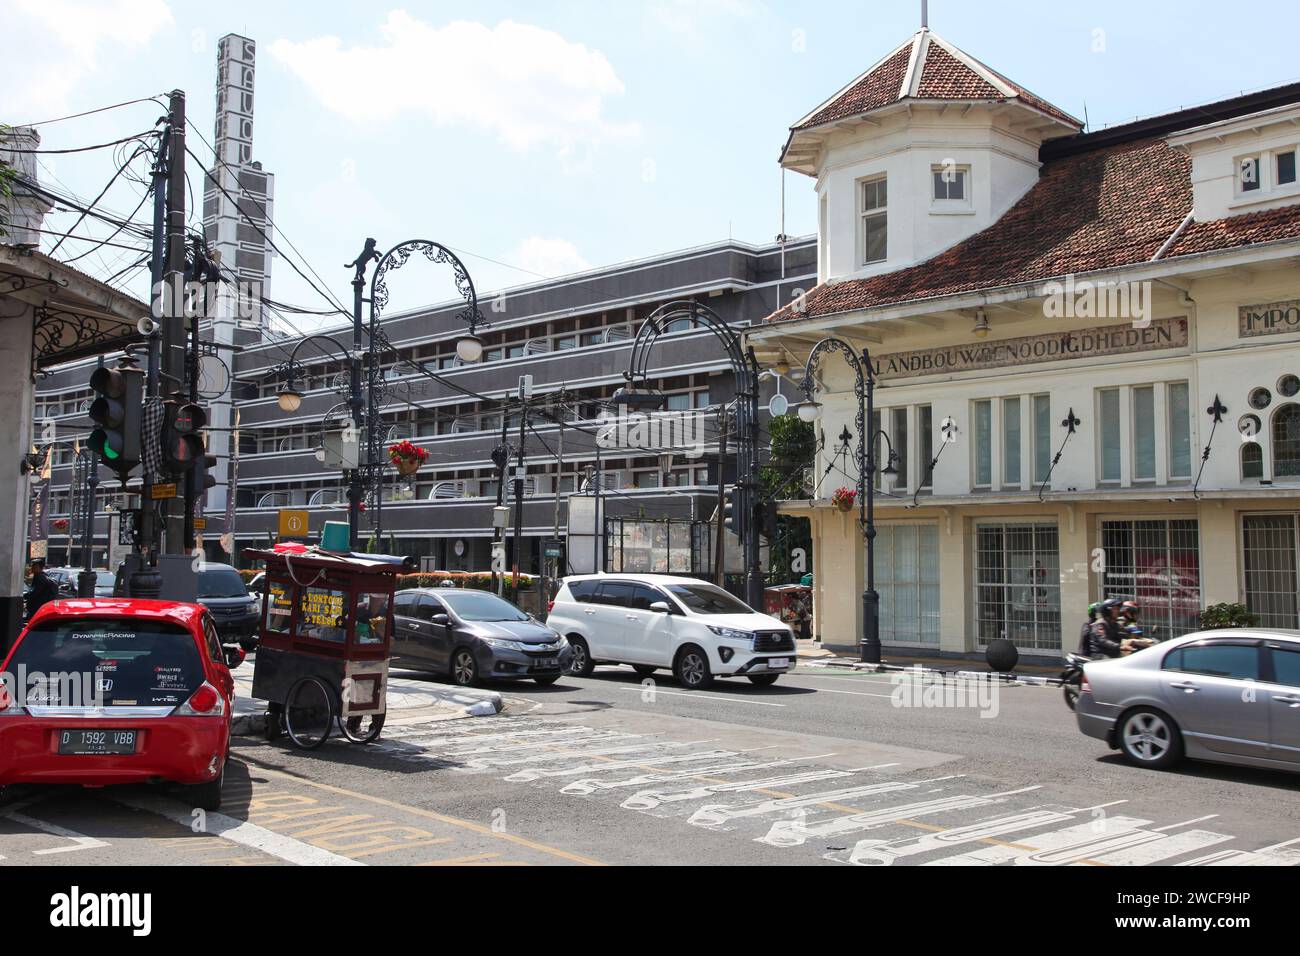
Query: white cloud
<point x="526" y="85"/>
<point x="53" y="45"/>
<point x="549" y="257"/>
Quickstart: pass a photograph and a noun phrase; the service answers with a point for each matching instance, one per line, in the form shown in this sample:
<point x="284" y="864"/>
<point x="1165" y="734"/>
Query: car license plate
<point x="778" y="663"/>
<point x="83" y="742"/>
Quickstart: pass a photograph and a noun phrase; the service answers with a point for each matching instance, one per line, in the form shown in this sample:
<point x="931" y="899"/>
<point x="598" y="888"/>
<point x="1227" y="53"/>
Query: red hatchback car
<point x="118" y="690"/>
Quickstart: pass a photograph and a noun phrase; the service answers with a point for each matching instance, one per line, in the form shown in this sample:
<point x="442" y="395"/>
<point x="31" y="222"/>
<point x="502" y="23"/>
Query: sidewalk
<point x="408" y="698"/>
<point x="813" y="654"/>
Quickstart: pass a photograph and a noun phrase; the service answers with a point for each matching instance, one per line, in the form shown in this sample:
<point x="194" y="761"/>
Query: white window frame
<point x="942" y="204"/>
<point x="1238" y="175"/>
<point x="865" y="214"/>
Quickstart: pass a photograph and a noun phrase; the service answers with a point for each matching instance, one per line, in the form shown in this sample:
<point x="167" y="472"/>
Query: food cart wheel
<point x="309" y="713"/>
<point x="362" y="729"/>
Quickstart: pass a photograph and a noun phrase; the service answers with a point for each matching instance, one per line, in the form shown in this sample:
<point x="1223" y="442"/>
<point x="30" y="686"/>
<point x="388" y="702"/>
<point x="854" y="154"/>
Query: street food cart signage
<point x="326" y="617"/>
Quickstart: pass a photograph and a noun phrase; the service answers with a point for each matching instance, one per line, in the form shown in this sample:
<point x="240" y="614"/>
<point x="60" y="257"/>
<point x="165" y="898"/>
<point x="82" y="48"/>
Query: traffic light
<point x="116" y="413"/>
<point x="767" y="522"/>
<point x="729" y="510"/>
<point x="182" y="443"/>
<point x="203" y="476"/>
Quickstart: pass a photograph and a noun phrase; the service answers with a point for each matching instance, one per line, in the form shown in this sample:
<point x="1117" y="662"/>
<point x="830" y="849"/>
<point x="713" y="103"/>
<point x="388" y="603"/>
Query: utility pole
<point x="559" y="478"/>
<point x="720" y="545"/>
<point x="173" y="320"/>
<point x="525" y="390"/>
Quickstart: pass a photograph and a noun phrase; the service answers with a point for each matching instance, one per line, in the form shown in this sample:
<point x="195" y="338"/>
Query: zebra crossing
<point x="876" y="814"/>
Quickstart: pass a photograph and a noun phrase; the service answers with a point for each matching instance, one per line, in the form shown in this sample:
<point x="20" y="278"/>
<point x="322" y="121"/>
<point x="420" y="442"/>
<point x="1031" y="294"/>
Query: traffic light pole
<point x="180" y="529"/>
<point x="519" y="487"/>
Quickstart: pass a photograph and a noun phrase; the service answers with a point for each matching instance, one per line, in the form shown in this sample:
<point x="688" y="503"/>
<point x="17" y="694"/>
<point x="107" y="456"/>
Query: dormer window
<point x="1248" y="174"/>
<point x="950" y="183"/>
<point x="875" y="220"/>
<point x="1286" y="168"/>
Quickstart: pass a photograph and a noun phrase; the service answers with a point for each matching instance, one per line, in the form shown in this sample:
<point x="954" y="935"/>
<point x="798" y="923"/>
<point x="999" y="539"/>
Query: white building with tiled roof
<point x="1086" y="348"/>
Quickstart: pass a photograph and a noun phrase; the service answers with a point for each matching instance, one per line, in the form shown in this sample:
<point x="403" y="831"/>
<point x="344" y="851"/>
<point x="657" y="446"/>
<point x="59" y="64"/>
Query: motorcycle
<point x="1072" y="677"/>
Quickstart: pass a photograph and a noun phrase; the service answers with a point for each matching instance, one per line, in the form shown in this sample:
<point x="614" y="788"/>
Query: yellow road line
<point x="428" y="814"/>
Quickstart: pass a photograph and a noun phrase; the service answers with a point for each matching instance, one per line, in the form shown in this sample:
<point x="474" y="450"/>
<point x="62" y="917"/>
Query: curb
<point x="1031" y="680"/>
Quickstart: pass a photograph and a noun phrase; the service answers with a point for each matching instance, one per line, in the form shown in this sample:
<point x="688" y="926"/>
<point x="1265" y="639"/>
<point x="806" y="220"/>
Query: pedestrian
<point x="42" y="590"/>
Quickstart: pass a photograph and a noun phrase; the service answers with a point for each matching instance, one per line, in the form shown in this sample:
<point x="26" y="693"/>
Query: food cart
<point x="325" y="639"/>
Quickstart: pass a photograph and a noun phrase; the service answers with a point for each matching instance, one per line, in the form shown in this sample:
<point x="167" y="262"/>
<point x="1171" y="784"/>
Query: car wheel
<point x="580" y="664"/>
<point x="546" y="681"/>
<point x="644" y="670"/>
<point x="692" y="668"/>
<point x="464" y="669"/>
<point x="207" y="796"/>
<point x="763" y="680"/>
<point x="1149" y="738"/>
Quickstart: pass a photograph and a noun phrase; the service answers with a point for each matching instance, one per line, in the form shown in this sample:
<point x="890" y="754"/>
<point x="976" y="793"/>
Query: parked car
<point x="65" y="579"/>
<point x="150" y="698"/>
<point x="1228" y="696"/>
<point x="655" y="621"/>
<point x="472" y="636"/>
<point x="257" y="583"/>
<point x="237" y="613"/>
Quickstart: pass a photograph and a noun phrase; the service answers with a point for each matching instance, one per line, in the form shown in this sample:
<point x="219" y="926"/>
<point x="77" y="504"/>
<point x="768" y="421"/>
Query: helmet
<point x="1092" y="610"/>
<point x="1132" y="608"/>
<point x="1109" y="606"/>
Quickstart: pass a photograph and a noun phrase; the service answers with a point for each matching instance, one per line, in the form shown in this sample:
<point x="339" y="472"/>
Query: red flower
<point x="844" y="498"/>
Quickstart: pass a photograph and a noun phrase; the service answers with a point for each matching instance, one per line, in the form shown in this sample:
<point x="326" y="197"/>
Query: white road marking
<point x="1186" y="823"/>
<point x="80" y="840"/>
<point x="523" y="776"/>
<point x="242" y="833"/>
<point x="885" y="853"/>
<point x="796" y="832"/>
<point x="717" y="814"/>
<point x="1057" y="841"/>
<point x="1167" y="846"/>
<point x="649" y="799"/>
<point x="698" y="696"/>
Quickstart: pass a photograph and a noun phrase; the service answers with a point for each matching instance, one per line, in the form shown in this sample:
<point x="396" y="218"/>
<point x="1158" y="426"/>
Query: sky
<point x="539" y="139"/>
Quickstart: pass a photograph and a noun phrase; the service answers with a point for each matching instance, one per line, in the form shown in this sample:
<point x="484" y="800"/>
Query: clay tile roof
<point x="1269" y="225"/>
<point x="946" y="74"/>
<point x="1093" y="210"/>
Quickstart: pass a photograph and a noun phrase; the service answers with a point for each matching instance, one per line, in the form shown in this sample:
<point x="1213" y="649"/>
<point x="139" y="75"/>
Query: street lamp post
<point x="864" y="385"/>
<point x="364" y="401"/>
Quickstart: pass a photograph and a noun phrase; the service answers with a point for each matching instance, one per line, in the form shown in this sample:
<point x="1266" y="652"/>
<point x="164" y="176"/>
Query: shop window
<point x="1179" y="410"/>
<point x="1158" y="564"/>
<point x="1286" y="441"/>
<point x="322" y="615"/>
<point x="1268" y="546"/>
<point x="907" y="577"/>
<point x="899" y="437"/>
<point x="1144" y="433"/>
<point x="371" y="615"/>
<point x="1018" y="585"/>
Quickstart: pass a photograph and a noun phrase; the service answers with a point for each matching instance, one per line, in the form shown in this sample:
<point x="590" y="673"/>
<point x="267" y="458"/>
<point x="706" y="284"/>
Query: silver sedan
<point x="1230" y="696"/>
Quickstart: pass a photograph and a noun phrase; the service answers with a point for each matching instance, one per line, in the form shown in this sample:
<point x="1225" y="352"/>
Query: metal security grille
<point x="1158" y="564"/>
<point x="1018" y="585"/>
<point x="1268" y="544"/>
<point x="907" y="578"/>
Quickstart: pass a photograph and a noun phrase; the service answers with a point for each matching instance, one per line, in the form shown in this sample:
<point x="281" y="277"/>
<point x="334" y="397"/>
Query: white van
<point x="655" y="621"/>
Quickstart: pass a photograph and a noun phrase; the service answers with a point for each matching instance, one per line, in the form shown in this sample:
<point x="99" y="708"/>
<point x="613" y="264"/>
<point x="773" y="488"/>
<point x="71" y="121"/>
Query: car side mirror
<point x="442" y="619"/>
<point x="661" y="607"/>
<point x="234" y="656"/>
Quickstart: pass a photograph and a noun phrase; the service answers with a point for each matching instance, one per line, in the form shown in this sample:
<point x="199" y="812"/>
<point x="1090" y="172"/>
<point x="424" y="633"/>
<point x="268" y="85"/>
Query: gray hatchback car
<point x="1229" y="696"/>
<point x="471" y="636"/>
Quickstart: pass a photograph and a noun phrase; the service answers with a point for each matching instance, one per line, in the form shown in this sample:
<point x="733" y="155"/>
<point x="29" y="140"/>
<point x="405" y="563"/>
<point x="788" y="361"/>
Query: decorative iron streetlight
<point x="864" y="385"/>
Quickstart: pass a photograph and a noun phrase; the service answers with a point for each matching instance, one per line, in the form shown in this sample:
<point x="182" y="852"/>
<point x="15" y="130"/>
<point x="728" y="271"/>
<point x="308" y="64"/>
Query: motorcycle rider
<point x="1106" y="636"/>
<point x="1085" y="632"/>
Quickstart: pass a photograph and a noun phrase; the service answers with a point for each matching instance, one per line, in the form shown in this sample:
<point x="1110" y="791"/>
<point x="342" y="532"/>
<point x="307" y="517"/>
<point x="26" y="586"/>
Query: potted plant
<point x="1218" y="616"/>
<point x="406" y="457"/>
<point x="844" y="499"/>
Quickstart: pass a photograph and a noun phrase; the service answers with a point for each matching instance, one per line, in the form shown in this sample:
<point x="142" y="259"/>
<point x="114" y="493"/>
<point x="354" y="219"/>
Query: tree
<point x="794" y="447"/>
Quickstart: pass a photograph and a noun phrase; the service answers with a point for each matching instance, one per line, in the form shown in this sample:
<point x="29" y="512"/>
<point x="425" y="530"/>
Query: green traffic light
<point x="110" y="454"/>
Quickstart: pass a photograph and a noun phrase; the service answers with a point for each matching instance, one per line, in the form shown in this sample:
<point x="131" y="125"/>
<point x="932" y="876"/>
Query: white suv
<point x="655" y="621"/>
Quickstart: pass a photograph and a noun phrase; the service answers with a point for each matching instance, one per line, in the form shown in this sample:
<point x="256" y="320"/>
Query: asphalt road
<point x="823" y="768"/>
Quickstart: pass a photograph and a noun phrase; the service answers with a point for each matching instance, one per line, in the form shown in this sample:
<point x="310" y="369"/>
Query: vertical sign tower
<point x="237" y="207"/>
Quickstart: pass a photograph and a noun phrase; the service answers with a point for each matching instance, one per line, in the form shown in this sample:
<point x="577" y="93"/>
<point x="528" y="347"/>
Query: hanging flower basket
<point x="406" y="457"/>
<point x="59" y="524"/>
<point x="844" y="499"/>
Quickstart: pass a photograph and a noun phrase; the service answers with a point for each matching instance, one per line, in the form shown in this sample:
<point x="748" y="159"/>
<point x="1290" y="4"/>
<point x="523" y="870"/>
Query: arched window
<point x="1252" y="460"/>
<point x="1286" y="441"/>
